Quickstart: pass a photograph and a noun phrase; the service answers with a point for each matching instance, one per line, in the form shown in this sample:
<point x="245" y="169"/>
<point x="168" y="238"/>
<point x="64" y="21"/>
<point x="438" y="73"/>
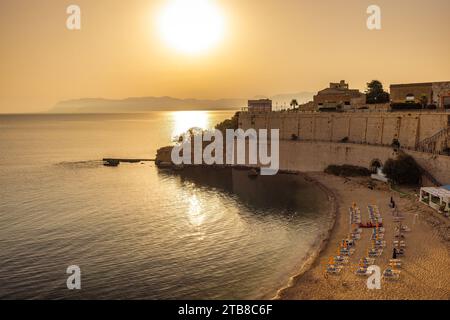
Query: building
<point x="436" y="198"/>
<point x="261" y="105"/>
<point x="421" y="95"/>
<point x="339" y="97"/>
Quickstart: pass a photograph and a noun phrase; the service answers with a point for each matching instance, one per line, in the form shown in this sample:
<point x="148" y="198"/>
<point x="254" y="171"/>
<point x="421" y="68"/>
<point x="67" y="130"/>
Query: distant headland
<point x="145" y="104"/>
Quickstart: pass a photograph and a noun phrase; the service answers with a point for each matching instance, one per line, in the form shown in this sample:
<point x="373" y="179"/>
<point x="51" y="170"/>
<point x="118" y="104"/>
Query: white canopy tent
<point x="436" y="198"/>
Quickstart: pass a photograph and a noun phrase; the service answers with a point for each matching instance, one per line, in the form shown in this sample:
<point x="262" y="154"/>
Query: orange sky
<point x="270" y="47"/>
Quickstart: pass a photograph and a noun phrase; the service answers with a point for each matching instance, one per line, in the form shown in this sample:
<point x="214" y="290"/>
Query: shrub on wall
<point x="403" y="170"/>
<point x="347" y="171"/>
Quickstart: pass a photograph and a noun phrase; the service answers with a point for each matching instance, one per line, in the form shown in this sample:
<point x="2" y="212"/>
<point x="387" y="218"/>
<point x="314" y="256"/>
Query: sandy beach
<point x="424" y="274"/>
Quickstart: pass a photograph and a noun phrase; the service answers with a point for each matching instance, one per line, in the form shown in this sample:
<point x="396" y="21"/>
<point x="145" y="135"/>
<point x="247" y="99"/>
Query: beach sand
<point x="425" y="272"/>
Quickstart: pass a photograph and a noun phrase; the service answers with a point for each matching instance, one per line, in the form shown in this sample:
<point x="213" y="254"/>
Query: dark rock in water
<point x="111" y="162"/>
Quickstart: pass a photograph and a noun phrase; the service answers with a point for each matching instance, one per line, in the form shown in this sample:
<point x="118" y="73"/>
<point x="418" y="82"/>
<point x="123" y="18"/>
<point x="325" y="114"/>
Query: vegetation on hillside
<point x="232" y="123"/>
<point x="347" y="171"/>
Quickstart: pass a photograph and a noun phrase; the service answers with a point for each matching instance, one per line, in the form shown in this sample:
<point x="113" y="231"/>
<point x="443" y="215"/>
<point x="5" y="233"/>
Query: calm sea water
<point x="135" y="231"/>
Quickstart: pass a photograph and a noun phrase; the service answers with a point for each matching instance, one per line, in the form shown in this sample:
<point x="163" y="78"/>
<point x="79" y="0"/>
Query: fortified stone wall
<point x="370" y="136"/>
<point x="378" y="128"/>
<point x="307" y="156"/>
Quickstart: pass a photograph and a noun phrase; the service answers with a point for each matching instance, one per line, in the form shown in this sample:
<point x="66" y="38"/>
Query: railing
<point x="429" y="176"/>
<point x="352" y="111"/>
<point x="429" y="144"/>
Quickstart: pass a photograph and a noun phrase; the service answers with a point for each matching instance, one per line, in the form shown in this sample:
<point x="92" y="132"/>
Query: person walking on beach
<point x="392" y="203"/>
<point x="394" y="254"/>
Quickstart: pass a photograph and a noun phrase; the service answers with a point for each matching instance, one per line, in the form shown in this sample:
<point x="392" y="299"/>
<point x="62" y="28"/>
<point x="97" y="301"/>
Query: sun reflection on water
<point x="195" y="214"/>
<point x="185" y="120"/>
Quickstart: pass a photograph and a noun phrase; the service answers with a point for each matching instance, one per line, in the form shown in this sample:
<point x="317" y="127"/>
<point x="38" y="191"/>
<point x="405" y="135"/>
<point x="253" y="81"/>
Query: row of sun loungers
<point x="392" y="272"/>
<point x="347" y="246"/>
<point x="377" y="242"/>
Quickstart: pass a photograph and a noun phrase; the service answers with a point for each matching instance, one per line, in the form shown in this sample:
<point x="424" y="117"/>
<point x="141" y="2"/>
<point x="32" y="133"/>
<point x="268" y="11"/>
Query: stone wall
<point x="440" y="90"/>
<point x="379" y="128"/>
<point x="308" y="156"/>
<point x="399" y="92"/>
<point x="369" y="135"/>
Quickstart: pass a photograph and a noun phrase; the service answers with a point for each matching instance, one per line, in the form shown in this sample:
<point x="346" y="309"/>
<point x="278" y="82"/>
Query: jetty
<point x="114" y="162"/>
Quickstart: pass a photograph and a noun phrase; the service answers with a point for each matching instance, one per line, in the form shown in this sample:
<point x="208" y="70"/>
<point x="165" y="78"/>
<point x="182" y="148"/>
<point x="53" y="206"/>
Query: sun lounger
<point x="402" y="229"/>
<point x="391" y="274"/>
<point x="341" y="259"/>
<point x="395" y="263"/>
<point x="334" y="269"/>
<point x="356" y="236"/>
<point x="368" y="260"/>
<point x="361" y="271"/>
<point x="380" y="243"/>
<point x="346" y="252"/>
<point x="373" y="253"/>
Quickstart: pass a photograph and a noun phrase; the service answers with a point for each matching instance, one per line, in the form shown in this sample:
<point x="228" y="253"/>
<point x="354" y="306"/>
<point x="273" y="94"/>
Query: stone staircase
<point x="430" y="144"/>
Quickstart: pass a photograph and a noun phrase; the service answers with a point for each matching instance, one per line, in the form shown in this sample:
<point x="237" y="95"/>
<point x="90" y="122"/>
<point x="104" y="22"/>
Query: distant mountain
<point x="144" y="104"/>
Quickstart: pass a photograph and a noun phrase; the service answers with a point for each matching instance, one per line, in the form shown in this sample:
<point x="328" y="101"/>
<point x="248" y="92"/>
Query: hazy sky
<point x="269" y="47"/>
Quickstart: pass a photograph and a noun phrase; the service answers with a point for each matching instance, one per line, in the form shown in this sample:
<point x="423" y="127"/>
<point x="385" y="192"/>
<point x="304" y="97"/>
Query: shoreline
<point x="323" y="238"/>
<point x="424" y="275"/>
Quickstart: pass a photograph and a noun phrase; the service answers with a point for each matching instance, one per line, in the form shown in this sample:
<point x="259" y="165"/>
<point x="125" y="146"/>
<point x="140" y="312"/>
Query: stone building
<point x="426" y="94"/>
<point x="261" y="105"/>
<point x="339" y="97"/>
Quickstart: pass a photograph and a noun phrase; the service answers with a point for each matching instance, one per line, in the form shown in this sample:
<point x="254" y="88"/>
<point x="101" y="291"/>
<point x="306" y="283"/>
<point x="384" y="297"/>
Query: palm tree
<point x="294" y="103"/>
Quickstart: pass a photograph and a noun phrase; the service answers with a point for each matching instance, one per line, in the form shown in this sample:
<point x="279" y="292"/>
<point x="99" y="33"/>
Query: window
<point x="410" y="97"/>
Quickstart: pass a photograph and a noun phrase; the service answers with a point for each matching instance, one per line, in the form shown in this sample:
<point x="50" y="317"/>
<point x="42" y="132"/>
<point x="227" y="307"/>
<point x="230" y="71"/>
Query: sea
<point x="136" y="231"/>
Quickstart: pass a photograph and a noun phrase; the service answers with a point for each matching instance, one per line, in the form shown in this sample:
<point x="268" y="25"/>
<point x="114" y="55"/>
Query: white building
<point x="436" y="198"/>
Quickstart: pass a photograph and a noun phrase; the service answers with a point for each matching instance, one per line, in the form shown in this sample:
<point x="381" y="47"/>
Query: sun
<point x="191" y="26"/>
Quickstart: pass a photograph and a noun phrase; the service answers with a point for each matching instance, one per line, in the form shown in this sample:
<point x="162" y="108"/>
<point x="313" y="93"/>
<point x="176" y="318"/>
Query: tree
<point x="232" y="123"/>
<point x="294" y="103"/>
<point x="403" y="170"/>
<point x="375" y="93"/>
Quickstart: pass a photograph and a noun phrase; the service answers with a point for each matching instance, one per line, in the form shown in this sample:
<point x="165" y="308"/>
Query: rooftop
<point x="440" y="192"/>
<point x="418" y="84"/>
